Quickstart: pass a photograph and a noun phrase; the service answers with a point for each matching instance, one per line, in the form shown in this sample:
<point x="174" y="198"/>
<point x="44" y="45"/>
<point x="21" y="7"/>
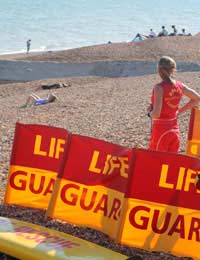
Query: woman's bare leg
<point x="30" y="100"/>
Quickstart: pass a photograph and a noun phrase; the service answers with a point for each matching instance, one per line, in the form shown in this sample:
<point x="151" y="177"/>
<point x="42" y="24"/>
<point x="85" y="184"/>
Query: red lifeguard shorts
<point x="165" y="135"/>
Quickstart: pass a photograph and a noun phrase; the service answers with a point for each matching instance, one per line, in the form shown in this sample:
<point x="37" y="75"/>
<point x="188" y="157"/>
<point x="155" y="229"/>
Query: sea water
<point x="66" y="24"/>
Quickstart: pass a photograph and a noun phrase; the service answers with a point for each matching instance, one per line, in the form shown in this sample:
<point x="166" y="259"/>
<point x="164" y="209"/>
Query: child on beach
<point x="35" y="100"/>
<point x="164" y="108"/>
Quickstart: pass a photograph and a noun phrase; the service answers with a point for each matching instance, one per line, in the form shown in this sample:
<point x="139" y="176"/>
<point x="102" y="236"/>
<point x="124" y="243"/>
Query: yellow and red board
<point x="162" y="211"/>
<point x="36" y="157"/>
<point x="92" y="184"/>
<point x="193" y="143"/>
<point x="27" y="241"/>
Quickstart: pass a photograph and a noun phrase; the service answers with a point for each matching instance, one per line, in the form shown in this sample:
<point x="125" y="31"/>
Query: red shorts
<point x="165" y="135"/>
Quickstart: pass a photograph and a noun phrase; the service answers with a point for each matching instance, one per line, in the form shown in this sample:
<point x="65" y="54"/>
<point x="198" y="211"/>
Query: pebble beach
<point x="108" y="108"/>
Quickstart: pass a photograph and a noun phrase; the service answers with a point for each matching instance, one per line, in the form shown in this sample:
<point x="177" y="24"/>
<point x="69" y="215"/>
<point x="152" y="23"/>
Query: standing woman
<point x="164" y="108"/>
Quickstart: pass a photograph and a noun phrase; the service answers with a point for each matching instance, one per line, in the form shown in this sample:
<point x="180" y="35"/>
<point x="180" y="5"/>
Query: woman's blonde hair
<point x="167" y="66"/>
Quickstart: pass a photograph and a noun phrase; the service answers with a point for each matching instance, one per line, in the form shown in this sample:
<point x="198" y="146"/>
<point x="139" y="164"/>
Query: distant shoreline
<point x="32" y="51"/>
<point x="41" y="51"/>
<point x="107" y="60"/>
<point x="21" y="54"/>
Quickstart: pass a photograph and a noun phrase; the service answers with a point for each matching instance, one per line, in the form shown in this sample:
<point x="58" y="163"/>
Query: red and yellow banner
<point x="193" y="143"/>
<point x="36" y="157"/>
<point x="139" y="197"/>
<point x="162" y="204"/>
<point x="90" y="188"/>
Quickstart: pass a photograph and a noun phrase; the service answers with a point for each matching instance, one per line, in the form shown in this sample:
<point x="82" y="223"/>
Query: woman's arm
<point x="194" y="99"/>
<point x="158" y="99"/>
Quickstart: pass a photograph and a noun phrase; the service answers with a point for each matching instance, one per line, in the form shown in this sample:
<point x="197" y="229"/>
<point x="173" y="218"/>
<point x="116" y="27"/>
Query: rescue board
<point x="24" y="240"/>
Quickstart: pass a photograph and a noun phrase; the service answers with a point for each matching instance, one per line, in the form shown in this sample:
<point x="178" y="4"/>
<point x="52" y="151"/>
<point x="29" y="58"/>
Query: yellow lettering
<point x="93" y="163"/>
<point x="190" y="179"/>
<point x="179" y="184"/>
<point x="163" y="178"/>
<point x="106" y="166"/>
<point x="113" y="164"/>
<point x="52" y="147"/>
<point x="184" y="181"/>
<point x="37" y="146"/>
<point x="59" y="147"/>
<point x="55" y="147"/>
<point x="124" y="166"/>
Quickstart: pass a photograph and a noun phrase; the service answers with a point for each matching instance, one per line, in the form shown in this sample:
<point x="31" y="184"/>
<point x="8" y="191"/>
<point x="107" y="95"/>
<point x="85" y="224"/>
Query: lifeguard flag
<point x="193" y="142"/>
<point x="35" y="159"/>
<point x="90" y="187"/>
<point x="162" y="211"/>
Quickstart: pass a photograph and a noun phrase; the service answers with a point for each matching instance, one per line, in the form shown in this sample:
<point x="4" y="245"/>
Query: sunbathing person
<point x="52" y="86"/>
<point x="35" y="100"/>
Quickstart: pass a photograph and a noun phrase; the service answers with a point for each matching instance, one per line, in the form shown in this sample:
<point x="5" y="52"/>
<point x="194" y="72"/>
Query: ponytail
<point x="167" y="66"/>
<point x="167" y="77"/>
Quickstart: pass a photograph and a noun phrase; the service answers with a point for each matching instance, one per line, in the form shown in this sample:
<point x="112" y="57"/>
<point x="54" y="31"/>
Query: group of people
<point x="139" y="37"/>
<point x="174" y="32"/>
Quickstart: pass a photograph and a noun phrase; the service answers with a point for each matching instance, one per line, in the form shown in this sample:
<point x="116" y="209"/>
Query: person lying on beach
<point x="52" y="86"/>
<point x="35" y="100"/>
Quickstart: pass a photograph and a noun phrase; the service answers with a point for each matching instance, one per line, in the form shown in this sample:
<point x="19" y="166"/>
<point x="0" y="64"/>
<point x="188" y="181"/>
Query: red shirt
<point x="171" y="99"/>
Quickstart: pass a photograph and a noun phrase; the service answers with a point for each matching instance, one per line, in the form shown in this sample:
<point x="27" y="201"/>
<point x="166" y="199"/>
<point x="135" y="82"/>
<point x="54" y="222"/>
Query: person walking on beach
<point x="28" y="46"/>
<point x="164" y="107"/>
